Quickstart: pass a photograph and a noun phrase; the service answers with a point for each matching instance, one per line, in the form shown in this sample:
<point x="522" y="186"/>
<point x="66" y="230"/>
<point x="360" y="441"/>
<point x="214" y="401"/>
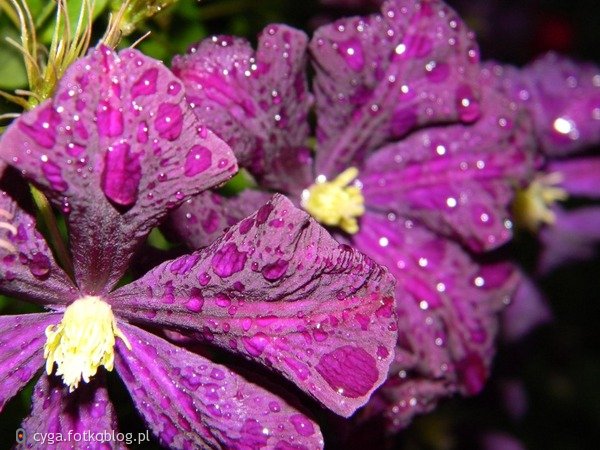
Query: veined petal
<point x="381" y="76"/>
<point x="563" y="97"/>
<point x="190" y="402"/>
<point x="200" y="220"/>
<point x="458" y="179"/>
<point x="27" y="267"/>
<point x="574" y="236"/>
<point x="258" y="102"/>
<point x="115" y="149"/>
<point x="22" y="350"/>
<point x="580" y="177"/>
<point x="279" y="290"/>
<point x="447" y="311"/>
<point x="56" y="412"/>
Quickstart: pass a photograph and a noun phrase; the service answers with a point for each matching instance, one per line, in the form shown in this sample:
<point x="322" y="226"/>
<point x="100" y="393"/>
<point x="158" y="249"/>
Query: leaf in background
<point x="12" y="70"/>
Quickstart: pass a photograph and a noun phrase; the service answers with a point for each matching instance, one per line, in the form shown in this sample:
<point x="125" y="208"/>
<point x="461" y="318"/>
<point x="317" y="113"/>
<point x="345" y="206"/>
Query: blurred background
<point x="545" y="390"/>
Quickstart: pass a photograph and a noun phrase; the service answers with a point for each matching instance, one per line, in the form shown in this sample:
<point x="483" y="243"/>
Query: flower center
<point x="83" y="341"/>
<point x="531" y="207"/>
<point x="335" y="203"/>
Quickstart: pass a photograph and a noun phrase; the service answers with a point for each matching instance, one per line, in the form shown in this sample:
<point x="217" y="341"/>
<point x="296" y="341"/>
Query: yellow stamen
<point x="335" y="203"/>
<point x="531" y="207"/>
<point x="83" y="341"/>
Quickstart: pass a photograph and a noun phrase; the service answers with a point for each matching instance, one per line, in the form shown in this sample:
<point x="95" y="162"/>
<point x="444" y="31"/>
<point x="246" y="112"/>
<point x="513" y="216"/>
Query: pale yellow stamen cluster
<point x="83" y="341"/>
<point x="532" y="205"/>
<point x="336" y="203"/>
<point x="4" y="244"/>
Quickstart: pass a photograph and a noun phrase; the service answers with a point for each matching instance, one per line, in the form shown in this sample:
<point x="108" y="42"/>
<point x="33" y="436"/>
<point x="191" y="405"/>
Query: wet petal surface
<point x="190" y="402"/>
<point x="115" y="149"/>
<point x="279" y="290"/>
<point x="458" y="179"/>
<point x="56" y="412"/>
<point x="27" y="267"/>
<point x="257" y="101"/>
<point x="380" y="77"/>
<point x="22" y="341"/>
<point x="447" y="314"/>
<point x="202" y="219"/>
<point x="563" y="97"/>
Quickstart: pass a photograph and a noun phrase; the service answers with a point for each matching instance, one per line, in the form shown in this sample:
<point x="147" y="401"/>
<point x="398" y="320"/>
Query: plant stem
<point x="49" y="220"/>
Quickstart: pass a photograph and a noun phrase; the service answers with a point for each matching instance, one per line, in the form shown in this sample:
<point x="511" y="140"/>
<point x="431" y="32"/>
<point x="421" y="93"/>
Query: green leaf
<point x="12" y="69"/>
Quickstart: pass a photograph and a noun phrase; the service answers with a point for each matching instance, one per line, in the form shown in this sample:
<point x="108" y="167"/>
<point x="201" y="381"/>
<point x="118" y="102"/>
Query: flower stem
<point x="49" y="220"/>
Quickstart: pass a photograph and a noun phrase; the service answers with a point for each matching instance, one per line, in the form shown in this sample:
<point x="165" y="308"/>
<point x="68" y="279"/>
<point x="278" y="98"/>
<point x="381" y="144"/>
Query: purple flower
<point x="116" y="148"/>
<point x="563" y="98"/>
<point x="410" y="150"/>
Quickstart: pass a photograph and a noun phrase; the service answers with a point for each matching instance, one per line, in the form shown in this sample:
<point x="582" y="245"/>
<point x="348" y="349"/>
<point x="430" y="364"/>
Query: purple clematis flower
<point x="116" y="148"/>
<point x="563" y="98"/>
<point x="410" y="151"/>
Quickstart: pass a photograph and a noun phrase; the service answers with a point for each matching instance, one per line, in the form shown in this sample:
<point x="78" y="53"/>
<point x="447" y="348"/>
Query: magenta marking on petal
<point x="228" y="260"/>
<point x="211" y="222"/>
<point x="196" y="301"/>
<point x="349" y="370"/>
<point x="403" y="120"/>
<point x="263" y="213"/>
<point x="246" y="225"/>
<point x="146" y="83"/>
<point x="466" y="104"/>
<point x="173" y="88"/>
<point x="198" y="159"/>
<point x="276" y="270"/>
<point x="300" y="369"/>
<point x="53" y="174"/>
<point x="352" y="52"/>
<point x="121" y="174"/>
<point x="382" y="352"/>
<point x="302" y="425"/>
<point x="74" y="149"/>
<point x="473" y="373"/>
<point x="418" y="46"/>
<point x="109" y="120"/>
<point x="437" y="72"/>
<point x="256" y="344"/>
<point x="142" y="132"/>
<point x="43" y="130"/>
<point x="169" y="121"/>
<point x="252" y="435"/>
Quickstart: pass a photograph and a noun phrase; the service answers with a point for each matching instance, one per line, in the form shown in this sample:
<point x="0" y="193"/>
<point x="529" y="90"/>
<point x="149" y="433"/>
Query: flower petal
<point x="527" y="310"/>
<point x="115" y="149"/>
<point x="580" y="176"/>
<point x="564" y="98"/>
<point x="71" y="419"/>
<point x="27" y="267"/>
<point x="200" y="220"/>
<point x="22" y="342"/>
<point x="399" y="400"/>
<point x="190" y="402"/>
<point x="573" y="237"/>
<point x="447" y="313"/>
<point x="279" y="290"/>
<point x="458" y="179"/>
<point x="258" y="102"/>
<point x="381" y="76"/>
